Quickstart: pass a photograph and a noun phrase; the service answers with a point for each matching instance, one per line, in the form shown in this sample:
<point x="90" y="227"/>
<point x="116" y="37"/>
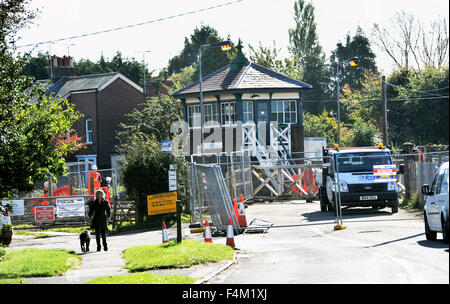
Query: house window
<point x="228" y="113"/>
<point x="247" y="112"/>
<point x="194" y="116"/>
<point x="284" y="111"/>
<point x="212" y="115"/>
<point x="89" y="131"/>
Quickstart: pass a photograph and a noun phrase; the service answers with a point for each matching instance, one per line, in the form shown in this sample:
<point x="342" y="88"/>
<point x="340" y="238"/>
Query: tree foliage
<point x="356" y="46"/>
<point x="33" y="127"/>
<point x="305" y="48"/>
<point x="418" y="106"/>
<point x="212" y="58"/>
<point x="146" y="168"/>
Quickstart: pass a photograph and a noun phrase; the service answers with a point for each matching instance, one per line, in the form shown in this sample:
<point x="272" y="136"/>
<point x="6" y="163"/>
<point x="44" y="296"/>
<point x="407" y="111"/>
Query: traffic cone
<point x="208" y="237"/>
<point x="165" y="234"/>
<point x="235" y="206"/>
<point x="242" y="218"/>
<point x="241" y="198"/>
<point x="230" y="234"/>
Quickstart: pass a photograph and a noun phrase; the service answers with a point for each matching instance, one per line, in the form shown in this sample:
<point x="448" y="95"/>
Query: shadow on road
<point x="439" y="244"/>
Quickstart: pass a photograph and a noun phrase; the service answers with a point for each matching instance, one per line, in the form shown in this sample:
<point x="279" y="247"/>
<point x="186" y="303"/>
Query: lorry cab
<point x="359" y="177"/>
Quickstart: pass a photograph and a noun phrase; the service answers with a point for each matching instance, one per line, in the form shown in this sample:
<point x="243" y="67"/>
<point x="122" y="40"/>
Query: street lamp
<point x="353" y="62"/>
<point x="225" y="46"/>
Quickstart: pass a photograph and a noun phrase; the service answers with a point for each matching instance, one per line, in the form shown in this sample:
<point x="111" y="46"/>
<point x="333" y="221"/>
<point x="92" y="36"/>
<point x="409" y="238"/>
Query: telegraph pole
<point x="384" y="106"/>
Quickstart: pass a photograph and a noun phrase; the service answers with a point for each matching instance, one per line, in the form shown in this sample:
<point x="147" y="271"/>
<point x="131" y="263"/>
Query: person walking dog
<point x="99" y="212"/>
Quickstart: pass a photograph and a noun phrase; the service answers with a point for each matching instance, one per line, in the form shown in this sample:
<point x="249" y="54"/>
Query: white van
<point x="436" y="207"/>
<point x="357" y="174"/>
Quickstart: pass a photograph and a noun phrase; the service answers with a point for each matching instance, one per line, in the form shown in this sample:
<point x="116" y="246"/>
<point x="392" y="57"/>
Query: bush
<point x="364" y="134"/>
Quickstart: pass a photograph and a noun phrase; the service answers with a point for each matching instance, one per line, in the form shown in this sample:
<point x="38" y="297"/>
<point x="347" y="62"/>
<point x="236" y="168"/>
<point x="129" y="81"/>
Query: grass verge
<point x="35" y="234"/>
<point x="13" y="281"/>
<point x="32" y="262"/>
<point x="143" y="278"/>
<point x="173" y="255"/>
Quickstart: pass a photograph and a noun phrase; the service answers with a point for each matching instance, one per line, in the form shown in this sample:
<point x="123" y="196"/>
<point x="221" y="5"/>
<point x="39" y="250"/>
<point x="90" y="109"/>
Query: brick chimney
<point x="62" y="66"/>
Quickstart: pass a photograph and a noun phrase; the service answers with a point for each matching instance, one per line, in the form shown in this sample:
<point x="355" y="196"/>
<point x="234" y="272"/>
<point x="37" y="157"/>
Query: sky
<point x="253" y="21"/>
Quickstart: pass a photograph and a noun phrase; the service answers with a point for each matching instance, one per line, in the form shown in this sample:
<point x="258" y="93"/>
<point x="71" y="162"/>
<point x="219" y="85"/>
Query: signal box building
<point x="246" y="107"/>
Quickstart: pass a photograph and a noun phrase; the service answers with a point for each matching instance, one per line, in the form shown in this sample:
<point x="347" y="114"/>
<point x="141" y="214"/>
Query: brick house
<point x="103" y="99"/>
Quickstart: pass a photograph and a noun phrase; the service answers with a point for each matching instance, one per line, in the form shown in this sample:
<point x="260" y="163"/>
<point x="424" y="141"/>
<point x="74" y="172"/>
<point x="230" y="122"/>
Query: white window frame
<point x="228" y="118"/>
<point x="212" y="115"/>
<point x="89" y="132"/>
<point x="247" y="112"/>
<point x="194" y="116"/>
<point x="283" y="112"/>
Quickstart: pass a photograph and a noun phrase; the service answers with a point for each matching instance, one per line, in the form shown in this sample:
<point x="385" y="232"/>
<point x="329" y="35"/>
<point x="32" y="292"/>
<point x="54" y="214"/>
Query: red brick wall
<point x="116" y="100"/>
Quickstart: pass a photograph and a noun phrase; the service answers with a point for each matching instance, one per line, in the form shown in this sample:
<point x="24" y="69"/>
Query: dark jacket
<point x="99" y="212"/>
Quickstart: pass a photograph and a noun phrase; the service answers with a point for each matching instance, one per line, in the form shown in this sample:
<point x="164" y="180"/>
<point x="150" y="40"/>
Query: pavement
<point x="110" y="263"/>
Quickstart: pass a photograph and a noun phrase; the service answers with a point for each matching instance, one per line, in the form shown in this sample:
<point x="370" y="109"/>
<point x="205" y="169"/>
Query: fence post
<point x="179" y="237"/>
<point x="409" y="170"/>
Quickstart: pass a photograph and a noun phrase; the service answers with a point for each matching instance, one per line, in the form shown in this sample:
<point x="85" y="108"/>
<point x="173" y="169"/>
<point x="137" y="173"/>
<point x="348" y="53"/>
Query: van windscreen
<point x="362" y="161"/>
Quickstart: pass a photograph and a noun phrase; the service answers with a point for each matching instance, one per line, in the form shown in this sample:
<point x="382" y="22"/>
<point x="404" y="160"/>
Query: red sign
<point x="44" y="213"/>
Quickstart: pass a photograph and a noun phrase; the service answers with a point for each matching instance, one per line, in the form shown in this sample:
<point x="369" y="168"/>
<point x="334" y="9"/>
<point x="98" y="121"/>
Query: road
<point x="302" y="247"/>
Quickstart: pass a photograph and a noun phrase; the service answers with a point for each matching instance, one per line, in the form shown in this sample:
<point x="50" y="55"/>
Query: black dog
<point x="85" y="239"/>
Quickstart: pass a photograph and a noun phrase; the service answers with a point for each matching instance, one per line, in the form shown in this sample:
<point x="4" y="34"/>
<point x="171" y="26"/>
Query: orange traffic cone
<point x="165" y="234"/>
<point x="241" y="198"/>
<point x="235" y="206"/>
<point x="242" y="218"/>
<point x="230" y="234"/>
<point x="208" y="237"/>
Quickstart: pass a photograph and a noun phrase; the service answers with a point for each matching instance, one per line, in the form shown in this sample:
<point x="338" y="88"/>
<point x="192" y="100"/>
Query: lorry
<point x="364" y="177"/>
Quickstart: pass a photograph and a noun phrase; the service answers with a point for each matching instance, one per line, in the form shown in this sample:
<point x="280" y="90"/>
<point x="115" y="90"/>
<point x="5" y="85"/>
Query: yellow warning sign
<point x="162" y="203"/>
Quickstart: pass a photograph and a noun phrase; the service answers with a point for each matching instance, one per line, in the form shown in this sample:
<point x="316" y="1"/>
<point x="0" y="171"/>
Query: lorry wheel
<point x="430" y="235"/>
<point x="445" y="228"/>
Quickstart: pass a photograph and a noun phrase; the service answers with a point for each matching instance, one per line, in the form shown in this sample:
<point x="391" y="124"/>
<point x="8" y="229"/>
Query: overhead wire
<point x="129" y="26"/>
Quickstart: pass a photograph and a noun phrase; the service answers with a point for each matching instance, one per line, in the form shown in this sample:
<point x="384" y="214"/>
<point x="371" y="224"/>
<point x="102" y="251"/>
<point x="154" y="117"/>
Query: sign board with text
<point x="70" y="206"/>
<point x="44" y="213"/>
<point x="162" y="203"/>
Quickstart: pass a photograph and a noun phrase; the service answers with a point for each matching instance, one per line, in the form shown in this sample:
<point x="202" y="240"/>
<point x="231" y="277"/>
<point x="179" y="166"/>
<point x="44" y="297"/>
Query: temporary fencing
<point x="210" y="197"/>
<point x="366" y="184"/>
<point x="63" y="200"/>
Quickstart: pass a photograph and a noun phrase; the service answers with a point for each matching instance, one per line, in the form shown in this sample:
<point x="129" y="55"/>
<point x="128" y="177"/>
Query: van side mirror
<point x="426" y="190"/>
<point x="401" y="169"/>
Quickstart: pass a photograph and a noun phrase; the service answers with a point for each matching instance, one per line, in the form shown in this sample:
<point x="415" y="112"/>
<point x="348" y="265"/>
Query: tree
<point x="130" y="68"/>
<point x="364" y="103"/>
<point x="418" y="106"/>
<point x="269" y="58"/>
<point x="323" y="125"/>
<point x="38" y="67"/>
<point x="146" y="168"/>
<point x="212" y="58"/>
<point x="33" y="127"/>
<point x="410" y="44"/>
<point x="356" y="46"/>
<point x="304" y="46"/>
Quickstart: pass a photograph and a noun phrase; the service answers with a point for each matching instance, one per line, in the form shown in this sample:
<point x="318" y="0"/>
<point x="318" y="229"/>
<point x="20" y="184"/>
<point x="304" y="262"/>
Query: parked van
<point x="436" y="213"/>
<point x="367" y="178"/>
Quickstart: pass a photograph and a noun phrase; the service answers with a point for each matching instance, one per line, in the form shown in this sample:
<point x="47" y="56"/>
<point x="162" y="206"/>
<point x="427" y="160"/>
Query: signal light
<point x="380" y="146"/>
<point x="336" y="146"/>
<point x="353" y="61"/>
<point x="226" y="47"/>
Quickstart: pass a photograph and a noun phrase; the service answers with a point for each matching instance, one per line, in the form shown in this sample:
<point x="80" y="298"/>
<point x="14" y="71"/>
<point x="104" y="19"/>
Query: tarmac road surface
<point x="303" y="247"/>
